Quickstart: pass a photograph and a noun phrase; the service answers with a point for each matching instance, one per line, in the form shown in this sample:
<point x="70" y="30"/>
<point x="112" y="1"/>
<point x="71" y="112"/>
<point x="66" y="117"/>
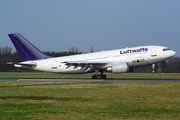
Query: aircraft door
<point x="53" y="64"/>
<point x="153" y="52"/>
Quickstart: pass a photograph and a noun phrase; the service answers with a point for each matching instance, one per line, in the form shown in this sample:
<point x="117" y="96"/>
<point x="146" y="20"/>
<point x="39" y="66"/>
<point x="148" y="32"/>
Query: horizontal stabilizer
<point x="28" y="65"/>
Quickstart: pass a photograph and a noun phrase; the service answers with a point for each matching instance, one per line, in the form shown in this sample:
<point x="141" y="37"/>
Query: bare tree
<point x="71" y="49"/>
<point x="91" y="49"/>
<point x="76" y="50"/>
<point x="5" y="50"/>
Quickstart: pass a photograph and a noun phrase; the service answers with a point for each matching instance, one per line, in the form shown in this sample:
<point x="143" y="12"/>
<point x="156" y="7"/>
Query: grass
<point x="22" y="84"/>
<point x="144" y="101"/>
<point x="109" y="75"/>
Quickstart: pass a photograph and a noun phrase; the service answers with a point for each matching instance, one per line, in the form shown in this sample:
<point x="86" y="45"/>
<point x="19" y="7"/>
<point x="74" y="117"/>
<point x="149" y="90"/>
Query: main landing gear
<point x="101" y="76"/>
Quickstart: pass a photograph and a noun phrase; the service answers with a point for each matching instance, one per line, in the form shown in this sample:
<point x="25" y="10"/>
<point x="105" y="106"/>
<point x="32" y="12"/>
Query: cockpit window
<point x="166" y="49"/>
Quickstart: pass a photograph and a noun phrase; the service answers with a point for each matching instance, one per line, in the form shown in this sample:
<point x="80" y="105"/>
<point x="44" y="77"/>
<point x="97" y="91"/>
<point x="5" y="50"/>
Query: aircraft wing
<point x="88" y="65"/>
<point x="86" y="62"/>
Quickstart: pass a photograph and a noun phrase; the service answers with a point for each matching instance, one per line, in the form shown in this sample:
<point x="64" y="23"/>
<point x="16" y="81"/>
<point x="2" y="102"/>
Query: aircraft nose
<point x="173" y="53"/>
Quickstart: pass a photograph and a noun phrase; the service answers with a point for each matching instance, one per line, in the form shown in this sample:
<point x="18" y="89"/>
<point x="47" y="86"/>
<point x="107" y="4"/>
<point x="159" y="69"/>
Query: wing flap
<point x="86" y="62"/>
<point x="88" y="65"/>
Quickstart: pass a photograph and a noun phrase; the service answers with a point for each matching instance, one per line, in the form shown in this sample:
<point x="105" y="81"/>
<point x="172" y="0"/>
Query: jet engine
<point x="119" y="68"/>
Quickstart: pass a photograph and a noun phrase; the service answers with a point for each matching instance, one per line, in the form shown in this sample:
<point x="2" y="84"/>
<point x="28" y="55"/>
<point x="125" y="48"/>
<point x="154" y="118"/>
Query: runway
<point x="88" y="80"/>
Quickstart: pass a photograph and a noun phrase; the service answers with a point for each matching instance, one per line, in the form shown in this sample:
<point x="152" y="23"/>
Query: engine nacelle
<point x="119" y="68"/>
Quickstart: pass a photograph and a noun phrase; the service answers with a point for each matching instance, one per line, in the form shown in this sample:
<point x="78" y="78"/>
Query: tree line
<point x="6" y="55"/>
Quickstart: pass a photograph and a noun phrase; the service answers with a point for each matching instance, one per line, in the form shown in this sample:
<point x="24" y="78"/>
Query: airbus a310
<point x="115" y="61"/>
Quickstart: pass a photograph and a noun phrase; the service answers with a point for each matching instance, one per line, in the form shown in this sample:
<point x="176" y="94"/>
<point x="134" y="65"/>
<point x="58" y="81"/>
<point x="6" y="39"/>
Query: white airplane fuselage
<point x="115" y="61"/>
<point x="152" y="54"/>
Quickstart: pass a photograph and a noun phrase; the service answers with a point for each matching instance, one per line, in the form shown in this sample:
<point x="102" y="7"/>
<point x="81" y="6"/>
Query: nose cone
<point x="172" y="53"/>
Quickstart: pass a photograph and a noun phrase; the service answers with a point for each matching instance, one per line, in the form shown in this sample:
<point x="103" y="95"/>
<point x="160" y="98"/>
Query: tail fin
<point x="26" y="50"/>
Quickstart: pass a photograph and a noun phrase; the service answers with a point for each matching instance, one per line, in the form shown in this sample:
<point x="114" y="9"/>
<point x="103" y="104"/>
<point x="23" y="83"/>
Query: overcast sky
<point x="56" y="25"/>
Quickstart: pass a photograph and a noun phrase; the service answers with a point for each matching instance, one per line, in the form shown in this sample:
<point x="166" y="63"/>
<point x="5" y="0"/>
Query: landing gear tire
<point x="103" y="76"/>
<point x="99" y="77"/>
<point x="153" y="68"/>
<point x="94" y="77"/>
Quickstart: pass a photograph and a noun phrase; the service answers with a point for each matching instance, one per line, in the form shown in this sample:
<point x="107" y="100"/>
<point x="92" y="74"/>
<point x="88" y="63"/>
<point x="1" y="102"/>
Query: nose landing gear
<point x="153" y="68"/>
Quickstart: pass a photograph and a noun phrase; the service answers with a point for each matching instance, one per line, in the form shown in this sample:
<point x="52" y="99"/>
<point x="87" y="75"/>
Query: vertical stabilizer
<point x="26" y="50"/>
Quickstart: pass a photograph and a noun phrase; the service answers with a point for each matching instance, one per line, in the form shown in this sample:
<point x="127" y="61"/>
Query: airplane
<point x="114" y="61"/>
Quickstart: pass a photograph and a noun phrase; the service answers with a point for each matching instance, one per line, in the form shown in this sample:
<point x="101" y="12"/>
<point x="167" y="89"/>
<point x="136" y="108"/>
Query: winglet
<point x="26" y="50"/>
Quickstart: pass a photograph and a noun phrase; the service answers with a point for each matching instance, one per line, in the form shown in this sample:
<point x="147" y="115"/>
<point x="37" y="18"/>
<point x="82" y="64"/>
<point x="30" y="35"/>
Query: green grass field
<point x="109" y="75"/>
<point x="132" y="101"/>
<point x="83" y="100"/>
